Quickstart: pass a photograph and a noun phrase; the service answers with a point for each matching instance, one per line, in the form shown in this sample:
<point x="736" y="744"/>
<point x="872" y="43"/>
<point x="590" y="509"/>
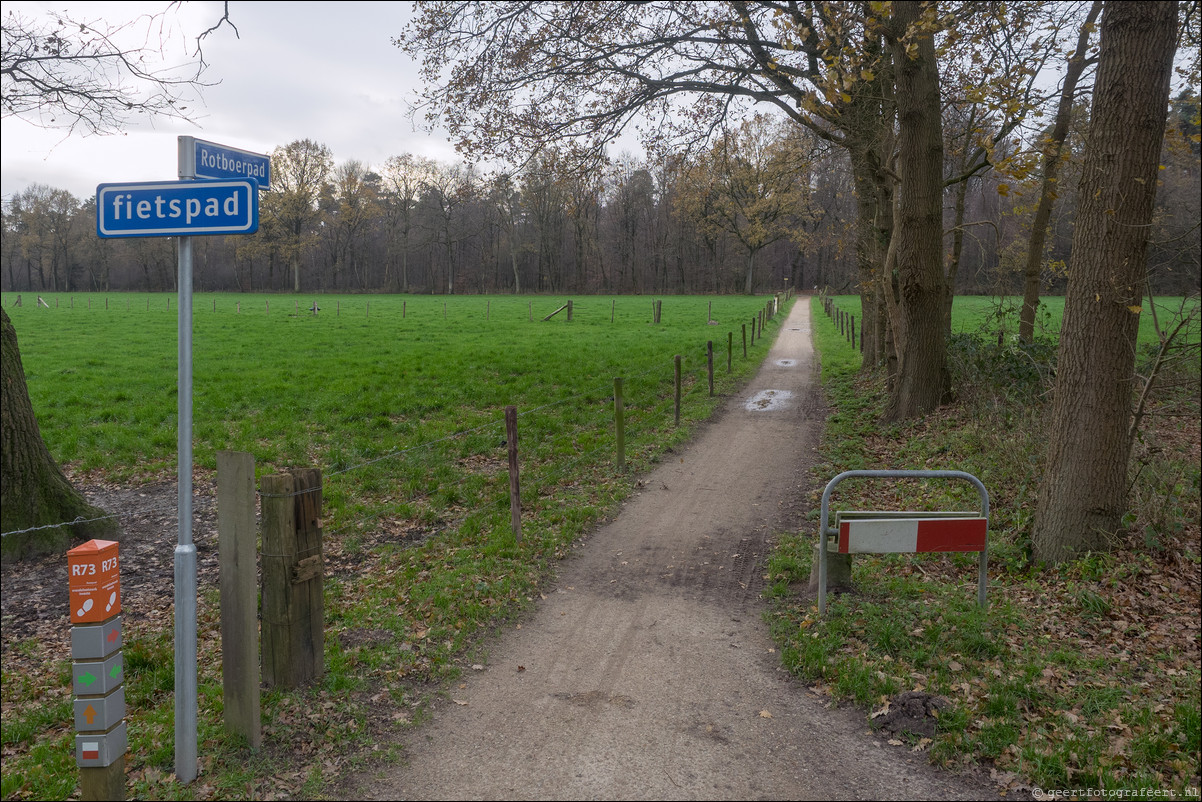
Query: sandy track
<point x="647" y="672"/>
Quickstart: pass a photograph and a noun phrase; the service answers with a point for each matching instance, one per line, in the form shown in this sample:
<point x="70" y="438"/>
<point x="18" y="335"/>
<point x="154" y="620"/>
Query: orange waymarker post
<point x="97" y="668"/>
<point x="94" y="581"/>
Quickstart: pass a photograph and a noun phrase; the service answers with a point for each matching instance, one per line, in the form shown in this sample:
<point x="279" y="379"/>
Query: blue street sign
<point x="211" y="160"/>
<point x="177" y="208"/>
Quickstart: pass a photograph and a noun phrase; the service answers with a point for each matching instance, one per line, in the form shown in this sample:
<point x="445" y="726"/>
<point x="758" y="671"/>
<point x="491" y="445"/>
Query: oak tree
<point x="753" y="185"/>
<point x="36" y="499"/>
<point x="1082" y="495"/>
<point x="509" y="79"/>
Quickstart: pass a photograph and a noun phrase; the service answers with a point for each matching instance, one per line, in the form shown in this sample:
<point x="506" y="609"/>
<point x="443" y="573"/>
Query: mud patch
<point x="913" y="713"/>
<point x="786" y="363"/>
<point x="769" y="401"/>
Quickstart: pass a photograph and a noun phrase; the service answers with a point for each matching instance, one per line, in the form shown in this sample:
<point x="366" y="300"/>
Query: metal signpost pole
<point x="216" y="204"/>
<point x="185" y="551"/>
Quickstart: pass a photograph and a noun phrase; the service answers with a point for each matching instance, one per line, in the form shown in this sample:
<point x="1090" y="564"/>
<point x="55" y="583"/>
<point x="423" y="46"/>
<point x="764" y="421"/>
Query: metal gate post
<point x="824" y="531"/>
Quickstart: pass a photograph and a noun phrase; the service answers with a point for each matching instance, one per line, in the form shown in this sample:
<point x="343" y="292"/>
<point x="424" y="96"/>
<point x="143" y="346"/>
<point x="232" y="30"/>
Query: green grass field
<point x="988" y="316"/>
<point x="365" y="378"/>
<point x="400" y="402"/>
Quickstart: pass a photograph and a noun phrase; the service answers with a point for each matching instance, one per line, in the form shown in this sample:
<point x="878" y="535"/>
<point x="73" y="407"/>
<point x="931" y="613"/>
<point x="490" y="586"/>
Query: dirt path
<point x="648" y="672"/>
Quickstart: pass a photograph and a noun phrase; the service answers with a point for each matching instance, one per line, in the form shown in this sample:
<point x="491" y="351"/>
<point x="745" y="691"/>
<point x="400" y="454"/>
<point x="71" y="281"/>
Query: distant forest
<point x="765" y="206"/>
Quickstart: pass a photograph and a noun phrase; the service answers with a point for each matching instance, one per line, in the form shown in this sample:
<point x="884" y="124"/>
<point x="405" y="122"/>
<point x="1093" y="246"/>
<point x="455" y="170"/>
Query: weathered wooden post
<point x="620" y="422"/>
<point x="237" y="552"/>
<point x="677" y="360"/>
<point x="709" y="361"/>
<point x="515" y="496"/>
<point x="569" y="311"/>
<point x="293" y="605"/>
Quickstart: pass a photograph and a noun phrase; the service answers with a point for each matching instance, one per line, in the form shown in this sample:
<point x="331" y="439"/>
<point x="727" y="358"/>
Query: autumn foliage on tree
<point x="753" y="184"/>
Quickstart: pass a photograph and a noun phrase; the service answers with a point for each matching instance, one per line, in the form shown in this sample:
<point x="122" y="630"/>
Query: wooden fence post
<point x="620" y="422"/>
<point x="709" y="361"/>
<point x="515" y="496"/>
<point x="237" y="552"/>
<point x="293" y="608"/>
<point x="569" y="311"/>
<point x="677" y="360"/>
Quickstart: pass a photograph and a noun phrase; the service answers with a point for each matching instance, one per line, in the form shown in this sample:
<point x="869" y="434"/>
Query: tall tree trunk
<point x="33" y="490"/>
<point x="1082" y="496"/>
<point x="1033" y="270"/>
<point x="874" y="205"/>
<point x="870" y="139"/>
<point x="918" y="227"/>
<point x="953" y="265"/>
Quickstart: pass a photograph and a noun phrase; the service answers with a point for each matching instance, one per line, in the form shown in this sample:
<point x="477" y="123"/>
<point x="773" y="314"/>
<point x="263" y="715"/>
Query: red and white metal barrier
<point x="904" y="532"/>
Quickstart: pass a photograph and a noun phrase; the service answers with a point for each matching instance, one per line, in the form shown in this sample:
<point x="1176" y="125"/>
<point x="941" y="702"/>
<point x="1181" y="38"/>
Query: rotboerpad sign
<point x="222" y="161"/>
<point x="97" y="668"/>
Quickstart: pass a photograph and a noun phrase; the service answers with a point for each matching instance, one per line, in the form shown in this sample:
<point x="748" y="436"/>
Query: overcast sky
<point x="322" y="71"/>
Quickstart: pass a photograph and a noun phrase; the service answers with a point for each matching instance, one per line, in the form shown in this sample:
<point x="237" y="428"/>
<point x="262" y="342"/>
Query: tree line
<point x="765" y="207"/>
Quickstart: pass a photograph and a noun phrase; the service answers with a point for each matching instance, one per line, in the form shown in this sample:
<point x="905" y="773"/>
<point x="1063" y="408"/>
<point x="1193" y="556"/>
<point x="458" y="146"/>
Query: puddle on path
<point x="768" y="400"/>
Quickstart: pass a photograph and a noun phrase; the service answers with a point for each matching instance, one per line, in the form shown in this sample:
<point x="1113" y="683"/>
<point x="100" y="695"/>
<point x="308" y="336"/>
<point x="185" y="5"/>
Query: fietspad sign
<point x="177" y="208"/>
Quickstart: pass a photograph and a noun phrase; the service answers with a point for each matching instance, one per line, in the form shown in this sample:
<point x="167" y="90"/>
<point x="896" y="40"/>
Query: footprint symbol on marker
<point x="112" y="601"/>
<point x="87" y="605"/>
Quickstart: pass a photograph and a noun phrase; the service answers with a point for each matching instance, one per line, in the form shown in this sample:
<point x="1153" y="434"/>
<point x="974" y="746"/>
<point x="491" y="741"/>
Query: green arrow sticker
<point x="87" y="679"/>
<point x="115" y="672"/>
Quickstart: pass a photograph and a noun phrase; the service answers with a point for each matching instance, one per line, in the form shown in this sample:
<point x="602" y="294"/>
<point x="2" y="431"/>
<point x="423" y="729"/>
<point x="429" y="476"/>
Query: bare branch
<point x="86" y="74"/>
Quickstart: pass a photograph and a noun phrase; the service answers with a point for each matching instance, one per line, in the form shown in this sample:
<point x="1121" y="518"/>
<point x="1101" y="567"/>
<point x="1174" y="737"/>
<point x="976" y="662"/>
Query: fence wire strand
<point x="556" y="469"/>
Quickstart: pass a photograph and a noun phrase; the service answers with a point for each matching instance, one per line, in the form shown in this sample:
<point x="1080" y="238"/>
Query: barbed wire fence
<point x="548" y="472"/>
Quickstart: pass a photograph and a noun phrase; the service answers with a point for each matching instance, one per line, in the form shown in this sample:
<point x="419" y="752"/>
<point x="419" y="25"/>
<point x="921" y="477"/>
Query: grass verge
<point x="1082" y="677"/>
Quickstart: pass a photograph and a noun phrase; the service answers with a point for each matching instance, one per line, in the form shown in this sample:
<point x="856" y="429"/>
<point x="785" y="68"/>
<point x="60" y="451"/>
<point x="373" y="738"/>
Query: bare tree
<point x="88" y="75"/>
<point x="63" y="72"/>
